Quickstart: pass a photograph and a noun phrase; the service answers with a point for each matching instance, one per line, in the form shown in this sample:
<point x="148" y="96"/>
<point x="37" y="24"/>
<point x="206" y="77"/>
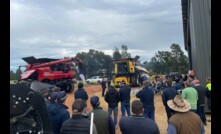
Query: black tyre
<point x="68" y="88"/>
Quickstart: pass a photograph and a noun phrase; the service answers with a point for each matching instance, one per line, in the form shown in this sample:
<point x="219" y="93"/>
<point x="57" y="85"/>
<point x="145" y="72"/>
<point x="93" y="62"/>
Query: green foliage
<point x="94" y="62"/>
<point x="165" y="62"/>
<point x="116" y="54"/>
<point x="12" y="75"/>
<point x="15" y="76"/>
<point x="124" y="52"/>
<point x="18" y="74"/>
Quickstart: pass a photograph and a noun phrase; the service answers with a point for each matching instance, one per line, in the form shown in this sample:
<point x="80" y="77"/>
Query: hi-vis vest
<point x="208" y="86"/>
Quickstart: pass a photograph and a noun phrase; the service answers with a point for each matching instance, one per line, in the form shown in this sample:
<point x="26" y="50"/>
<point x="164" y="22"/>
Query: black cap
<point x="62" y="95"/>
<point x="95" y="101"/>
<point x="53" y="96"/>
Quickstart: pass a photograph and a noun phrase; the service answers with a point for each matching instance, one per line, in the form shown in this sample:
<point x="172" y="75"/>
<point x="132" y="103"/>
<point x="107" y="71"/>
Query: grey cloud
<point x="58" y="28"/>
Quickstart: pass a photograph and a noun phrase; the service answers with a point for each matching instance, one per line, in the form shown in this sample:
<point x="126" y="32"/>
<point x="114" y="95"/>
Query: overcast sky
<point x="59" y="28"/>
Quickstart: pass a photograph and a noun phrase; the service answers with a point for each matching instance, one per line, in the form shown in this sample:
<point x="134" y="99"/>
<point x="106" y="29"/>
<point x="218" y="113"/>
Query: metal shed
<point x="196" y="16"/>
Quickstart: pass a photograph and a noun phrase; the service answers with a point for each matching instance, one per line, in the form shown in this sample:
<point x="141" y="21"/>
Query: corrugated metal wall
<point x="200" y="35"/>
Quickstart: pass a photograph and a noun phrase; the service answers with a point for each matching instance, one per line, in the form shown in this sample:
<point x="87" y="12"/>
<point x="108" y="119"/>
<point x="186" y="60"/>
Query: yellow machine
<point x="124" y="69"/>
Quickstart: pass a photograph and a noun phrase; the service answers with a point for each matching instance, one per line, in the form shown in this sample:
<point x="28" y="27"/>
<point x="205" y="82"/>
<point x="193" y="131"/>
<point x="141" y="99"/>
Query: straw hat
<point x="179" y="104"/>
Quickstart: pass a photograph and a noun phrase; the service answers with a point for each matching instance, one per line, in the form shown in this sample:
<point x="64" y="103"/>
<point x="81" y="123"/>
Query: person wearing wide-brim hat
<point x="183" y="121"/>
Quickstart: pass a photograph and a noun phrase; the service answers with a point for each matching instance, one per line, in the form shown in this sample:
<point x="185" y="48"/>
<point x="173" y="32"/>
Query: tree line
<point x="97" y="63"/>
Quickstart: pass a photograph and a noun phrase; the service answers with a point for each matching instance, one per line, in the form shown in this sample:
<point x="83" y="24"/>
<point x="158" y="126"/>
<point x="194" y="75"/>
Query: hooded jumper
<point x="58" y="114"/>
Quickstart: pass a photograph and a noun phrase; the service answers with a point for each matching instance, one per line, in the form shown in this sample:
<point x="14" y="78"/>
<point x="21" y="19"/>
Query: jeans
<point x="149" y="114"/>
<point x="125" y="105"/>
<point x="201" y="113"/>
<point x="115" y="111"/>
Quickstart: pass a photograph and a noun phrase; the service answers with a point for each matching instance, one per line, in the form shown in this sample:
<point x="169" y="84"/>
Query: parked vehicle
<point x="95" y="79"/>
<point x="127" y="70"/>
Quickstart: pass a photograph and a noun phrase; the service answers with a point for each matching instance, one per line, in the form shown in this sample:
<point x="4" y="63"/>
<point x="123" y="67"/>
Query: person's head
<point x="208" y="79"/>
<point x="122" y="83"/>
<point x="169" y="82"/>
<point x="146" y="83"/>
<point x="137" y="107"/>
<point x="191" y="77"/>
<point x="80" y="85"/>
<point x="62" y="97"/>
<point x="178" y="104"/>
<point x="45" y="94"/>
<point x="53" y="96"/>
<point x="95" y="102"/>
<point x="78" y="107"/>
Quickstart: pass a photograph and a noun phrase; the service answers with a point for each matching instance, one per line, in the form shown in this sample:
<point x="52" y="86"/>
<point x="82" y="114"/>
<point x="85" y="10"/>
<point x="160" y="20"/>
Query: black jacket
<point x="125" y="94"/>
<point x="112" y="97"/>
<point x="168" y="94"/>
<point x="201" y="94"/>
<point x="81" y="93"/>
<point x="103" y="84"/>
<point x="146" y="96"/>
<point x="76" y="125"/>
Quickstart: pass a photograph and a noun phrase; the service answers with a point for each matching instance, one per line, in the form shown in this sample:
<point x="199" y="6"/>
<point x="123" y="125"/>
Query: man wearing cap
<point x="190" y="94"/>
<point x="125" y="98"/>
<point x="112" y="98"/>
<point x="146" y="96"/>
<point x="80" y="93"/>
<point x="168" y="93"/>
<point x="201" y="100"/>
<point x="102" y="119"/>
<point x="78" y="124"/>
<point x="137" y="123"/>
<point x="183" y="121"/>
<point x="57" y="110"/>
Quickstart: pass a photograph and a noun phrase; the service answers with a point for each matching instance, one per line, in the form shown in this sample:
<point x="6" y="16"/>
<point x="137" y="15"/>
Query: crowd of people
<point x="184" y="109"/>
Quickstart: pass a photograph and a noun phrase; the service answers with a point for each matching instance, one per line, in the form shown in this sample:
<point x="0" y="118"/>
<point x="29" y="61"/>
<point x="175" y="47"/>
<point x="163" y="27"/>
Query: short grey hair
<point x="146" y="83"/>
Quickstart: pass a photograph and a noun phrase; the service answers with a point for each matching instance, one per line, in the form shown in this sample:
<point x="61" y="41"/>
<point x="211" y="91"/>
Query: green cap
<point x="112" y="84"/>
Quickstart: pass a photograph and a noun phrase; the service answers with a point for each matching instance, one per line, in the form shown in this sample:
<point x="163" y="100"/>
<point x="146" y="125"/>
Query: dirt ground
<point x="160" y="114"/>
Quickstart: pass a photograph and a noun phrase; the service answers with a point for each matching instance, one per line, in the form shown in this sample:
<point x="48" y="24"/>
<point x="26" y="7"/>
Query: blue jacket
<point x="146" y="96"/>
<point x="137" y="124"/>
<point x="58" y="114"/>
<point x="81" y="93"/>
<point x="125" y="94"/>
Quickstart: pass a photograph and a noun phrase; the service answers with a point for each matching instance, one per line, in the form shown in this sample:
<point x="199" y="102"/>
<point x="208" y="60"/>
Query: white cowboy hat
<point x="179" y="104"/>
